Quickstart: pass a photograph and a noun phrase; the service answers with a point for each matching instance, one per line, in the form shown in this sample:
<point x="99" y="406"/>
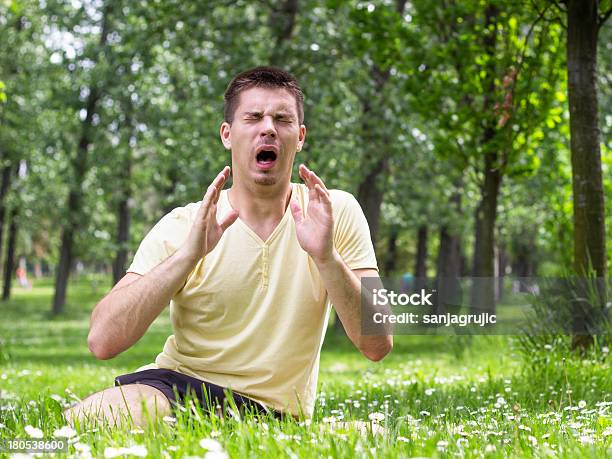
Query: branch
<point x="604" y="17"/>
<point x="559" y="7"/>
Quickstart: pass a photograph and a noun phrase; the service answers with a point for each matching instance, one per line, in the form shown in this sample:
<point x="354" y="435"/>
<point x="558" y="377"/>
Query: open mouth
<point x="266" y="158"/>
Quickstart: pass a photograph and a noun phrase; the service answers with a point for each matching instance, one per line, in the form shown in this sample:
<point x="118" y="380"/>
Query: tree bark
<point x="123" y="236"/>
<point x="75" y="194"/>
<point x="420" y="265"/>
<point x="448" y="270"/>
<point x="9" y="264"/>
<point x="483" y="291"/>
<point x="391" y="255"/>
<point x="4" y="187"/>
<point x="282" y="23"/>
<point x="587" y="186"/>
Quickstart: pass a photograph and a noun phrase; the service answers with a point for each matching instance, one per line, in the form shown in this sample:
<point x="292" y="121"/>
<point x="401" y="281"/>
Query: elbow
<point x="378" y="351"/>
<point x="98" y="348"/>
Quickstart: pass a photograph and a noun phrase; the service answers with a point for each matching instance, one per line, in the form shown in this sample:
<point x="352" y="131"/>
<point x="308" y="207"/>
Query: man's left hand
<point x="315" y="229"/>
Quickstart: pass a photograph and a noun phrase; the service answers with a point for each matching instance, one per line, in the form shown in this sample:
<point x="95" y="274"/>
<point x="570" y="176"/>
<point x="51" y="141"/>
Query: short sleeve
<point x="162" y="241"/>
<point x="351" y="232"/>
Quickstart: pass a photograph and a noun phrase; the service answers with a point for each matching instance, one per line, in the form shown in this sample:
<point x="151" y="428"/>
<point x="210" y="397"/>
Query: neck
<point x="261" y="204"/>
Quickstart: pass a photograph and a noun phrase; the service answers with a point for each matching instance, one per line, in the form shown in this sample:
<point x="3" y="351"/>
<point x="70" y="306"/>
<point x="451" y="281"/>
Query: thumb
<point x="296" y="211"/>
<point x="228" y="219"/>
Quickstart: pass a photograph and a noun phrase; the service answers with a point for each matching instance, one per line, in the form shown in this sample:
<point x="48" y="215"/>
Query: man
<point x="247" y="283"/>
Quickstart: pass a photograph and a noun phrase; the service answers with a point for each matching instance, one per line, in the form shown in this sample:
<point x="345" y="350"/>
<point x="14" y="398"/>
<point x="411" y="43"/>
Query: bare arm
<point x="315" y="235"/>
<point x="126" y="312"/>
<point x="344" y="290"/>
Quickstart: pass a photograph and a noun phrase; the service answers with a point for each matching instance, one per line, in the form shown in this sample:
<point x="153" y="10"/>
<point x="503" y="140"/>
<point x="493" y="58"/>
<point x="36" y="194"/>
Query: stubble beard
<point x="266" y="180"/>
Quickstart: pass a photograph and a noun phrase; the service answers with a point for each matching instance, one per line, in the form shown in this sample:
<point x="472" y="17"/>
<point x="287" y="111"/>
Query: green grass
<point x="440" y="395"/>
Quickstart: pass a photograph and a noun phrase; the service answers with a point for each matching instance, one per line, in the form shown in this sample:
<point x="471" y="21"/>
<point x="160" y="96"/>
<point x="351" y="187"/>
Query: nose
<point x="267" y="127"/>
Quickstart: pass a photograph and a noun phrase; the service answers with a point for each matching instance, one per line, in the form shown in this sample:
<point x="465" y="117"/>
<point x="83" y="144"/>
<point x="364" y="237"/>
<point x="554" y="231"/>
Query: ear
<point x="224" y="132"/>
<point x="301" y="137"/>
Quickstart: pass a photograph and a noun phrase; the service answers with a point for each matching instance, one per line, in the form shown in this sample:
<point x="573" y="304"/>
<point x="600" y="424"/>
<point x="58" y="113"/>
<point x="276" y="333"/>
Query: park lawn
<point x="435" y="396"/>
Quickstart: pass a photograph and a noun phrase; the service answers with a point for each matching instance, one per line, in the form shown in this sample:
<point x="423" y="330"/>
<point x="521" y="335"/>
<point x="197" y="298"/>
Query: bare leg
<point x="133" y="404"/>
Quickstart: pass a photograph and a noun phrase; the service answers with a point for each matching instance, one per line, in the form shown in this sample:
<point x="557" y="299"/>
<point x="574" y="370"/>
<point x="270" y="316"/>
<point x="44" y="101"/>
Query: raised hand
<point x="206" y="230"/>
<point x="315" y="229"/>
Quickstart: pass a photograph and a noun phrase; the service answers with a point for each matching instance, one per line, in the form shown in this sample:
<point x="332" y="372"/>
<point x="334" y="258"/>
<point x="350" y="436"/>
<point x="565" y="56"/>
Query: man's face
<point x="264" y="136"/>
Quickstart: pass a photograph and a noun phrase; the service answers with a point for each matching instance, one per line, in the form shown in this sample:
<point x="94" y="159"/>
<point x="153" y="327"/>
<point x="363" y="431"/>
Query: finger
<point x="323" y="195"/>
<point x="213" y="190"/>
<point x="220" y="181"/>
<point x="317" y="180"/>
<point x="305" y="175"/>
<point x="296" y="211"/>
<point x="229" y="219"/>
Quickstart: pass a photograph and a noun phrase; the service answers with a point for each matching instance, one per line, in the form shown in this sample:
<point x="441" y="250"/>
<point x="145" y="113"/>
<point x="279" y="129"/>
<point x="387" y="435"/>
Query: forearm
<point x="124" y="315"/>
<point x="345" y="293"/>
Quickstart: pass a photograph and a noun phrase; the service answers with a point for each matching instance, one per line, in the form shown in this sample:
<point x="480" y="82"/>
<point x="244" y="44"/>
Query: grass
<point x="436" y="396"/>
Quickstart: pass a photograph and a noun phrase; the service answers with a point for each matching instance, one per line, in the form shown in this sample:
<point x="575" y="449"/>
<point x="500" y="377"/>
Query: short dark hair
<point x="266" y="77"/>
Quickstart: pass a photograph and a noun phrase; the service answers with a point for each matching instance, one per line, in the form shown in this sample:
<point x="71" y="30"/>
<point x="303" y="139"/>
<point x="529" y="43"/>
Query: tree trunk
<point x="502" y="262"/>
<point x="282" y="23"/>
<point x="420" y="267"/>
<point x="589" y="215"/>
<point x="448" y="271"/>
<point x="587" y="186"/>
<point x="4" y="187"/>
<point x="75" y="194"/>
<point x="123" y="236"/>
<point x="391" y="255"/>
<point x="9" y="264"/>
<point x="370" y="195"/>
<point x="370" y="191"/>
<point x="483" y="291"/>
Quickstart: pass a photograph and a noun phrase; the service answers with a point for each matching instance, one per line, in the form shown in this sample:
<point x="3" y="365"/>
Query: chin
<point x="266" y="181"/>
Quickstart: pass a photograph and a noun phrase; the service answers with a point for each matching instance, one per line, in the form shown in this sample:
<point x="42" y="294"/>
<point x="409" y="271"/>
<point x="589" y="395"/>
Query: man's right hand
<point x="206" y="230"/>
<point x="127" y="311"/>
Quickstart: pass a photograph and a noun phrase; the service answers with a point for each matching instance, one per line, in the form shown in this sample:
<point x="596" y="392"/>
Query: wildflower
<point x="533" y="440"/>
<point x="169" y="420"/>
<point x="490" y="449"/>
<point x="605" y="350"/>
<point x="81" y="447"/>
<point x="429" y="391"/>
<point x="110" y="452"/>
<point x="548" y="347"/>
<point x="376" y="417"/>
<point x="404" y="439"/>
<point x="607" y="432"/>
<point x="581" y="404"/>
<point x="441" y="445"/>
<point x="33" y="432"/>
<point x="210" y="444"/>
<point x="137" y="431"/>
<point x="425" y="413"/>
<point x="522" y="427"/>
<point x="586" y="440"/>
<point x="64" y="432"/>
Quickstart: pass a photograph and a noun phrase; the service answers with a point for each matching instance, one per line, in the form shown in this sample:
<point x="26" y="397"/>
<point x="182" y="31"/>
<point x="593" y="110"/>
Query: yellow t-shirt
<point x="252" y="314"/>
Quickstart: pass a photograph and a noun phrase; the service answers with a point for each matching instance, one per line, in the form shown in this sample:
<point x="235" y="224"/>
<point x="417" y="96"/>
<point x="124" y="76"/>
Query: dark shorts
<point x="210" y="396"/>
